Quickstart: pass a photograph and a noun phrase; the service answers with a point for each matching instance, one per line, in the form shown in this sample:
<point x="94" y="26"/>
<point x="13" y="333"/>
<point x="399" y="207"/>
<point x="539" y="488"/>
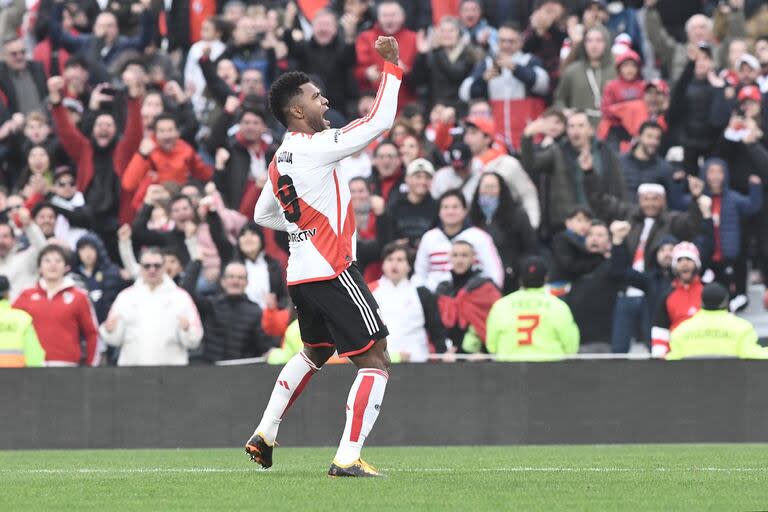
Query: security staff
<point x="19" y="345"/>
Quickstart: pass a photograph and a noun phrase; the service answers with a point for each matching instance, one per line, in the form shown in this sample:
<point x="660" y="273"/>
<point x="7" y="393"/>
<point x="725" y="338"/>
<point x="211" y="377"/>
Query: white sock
<point x="290" y="383"/>
<point x="363" y="405"/>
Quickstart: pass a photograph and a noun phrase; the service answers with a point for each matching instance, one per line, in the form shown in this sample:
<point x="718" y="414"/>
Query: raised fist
<point x="147" y="146"/>
<point x="222" y="157"/>
<point x="695" y="185"/>
<point x="387" y="47"/>
<point x="55" y="86"/>
<point x="125" y="232"/>
<point x="619" y="231"/>
<point x="232" y="104"/>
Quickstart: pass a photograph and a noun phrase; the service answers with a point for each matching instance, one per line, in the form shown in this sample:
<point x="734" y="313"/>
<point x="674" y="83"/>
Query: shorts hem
<point x="358" y="351"/>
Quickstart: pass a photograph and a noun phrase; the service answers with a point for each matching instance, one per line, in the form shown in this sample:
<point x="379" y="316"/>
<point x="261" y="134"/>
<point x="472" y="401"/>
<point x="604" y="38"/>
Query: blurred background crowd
<point x="563" y="176"/>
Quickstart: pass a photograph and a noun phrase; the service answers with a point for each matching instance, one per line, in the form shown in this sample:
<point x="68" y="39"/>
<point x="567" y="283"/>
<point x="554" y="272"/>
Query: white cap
<point x="750" y="60"/>
<point x="651" y="188"/>
<point x="686" y="250"/>
<point x="420" y="165"/>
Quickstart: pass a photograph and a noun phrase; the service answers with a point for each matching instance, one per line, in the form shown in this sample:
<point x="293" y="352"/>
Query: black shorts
<point x="340" y="312"/>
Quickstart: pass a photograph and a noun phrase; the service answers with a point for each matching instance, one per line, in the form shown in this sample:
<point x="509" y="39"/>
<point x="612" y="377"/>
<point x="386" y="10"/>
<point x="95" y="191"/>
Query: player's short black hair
<point x="283" y="90"/>
<point x="580" y="210"/>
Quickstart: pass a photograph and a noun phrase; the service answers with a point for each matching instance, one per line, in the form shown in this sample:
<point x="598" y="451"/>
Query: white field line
<point x="516" y="469"/>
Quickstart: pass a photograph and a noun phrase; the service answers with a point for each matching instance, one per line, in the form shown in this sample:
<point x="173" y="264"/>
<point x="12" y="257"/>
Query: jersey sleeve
<point x="267" y="212"/>
<point x="330" y="146"/>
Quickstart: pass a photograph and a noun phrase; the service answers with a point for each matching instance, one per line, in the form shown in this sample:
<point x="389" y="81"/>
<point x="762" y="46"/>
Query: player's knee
<point x="318" y="355"/>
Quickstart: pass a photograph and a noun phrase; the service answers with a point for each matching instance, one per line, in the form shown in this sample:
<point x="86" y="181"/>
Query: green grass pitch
<point x="526" y="478"/>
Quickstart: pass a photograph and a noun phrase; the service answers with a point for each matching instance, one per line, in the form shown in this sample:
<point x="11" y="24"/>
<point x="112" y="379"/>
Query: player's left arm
<point x="332" y="145"/>
<point x="268" y="212"/>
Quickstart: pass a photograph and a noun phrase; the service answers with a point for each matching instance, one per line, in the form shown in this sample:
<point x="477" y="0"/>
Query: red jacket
<point x="680" y="304"/>
<point x="61" y="321"/>
<point x="160" y="166"/>
<point x="617" y="91"/>
<point x="79" y="149"/>
<point x="367" y="55"/>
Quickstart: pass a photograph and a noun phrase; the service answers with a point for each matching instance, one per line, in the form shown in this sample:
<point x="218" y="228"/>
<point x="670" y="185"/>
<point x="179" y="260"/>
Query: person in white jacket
<point x="211" y="34"/>
<point x="154" y="322"/>
<point x="409" y="311"/>
<point x="433" y="265"/>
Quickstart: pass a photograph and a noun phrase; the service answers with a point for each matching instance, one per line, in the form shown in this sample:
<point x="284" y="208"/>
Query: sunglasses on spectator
<point x="151" y="266"/>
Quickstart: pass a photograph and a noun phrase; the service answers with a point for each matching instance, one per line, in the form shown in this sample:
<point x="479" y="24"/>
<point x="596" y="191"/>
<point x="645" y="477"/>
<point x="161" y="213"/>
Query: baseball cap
<point x="749" y="60"/>
<point x="484" y="124"/>
<point x="714" y="296"/>
<point x="420" y="165"/>
<point x="5" y="284"/>
<point x="658" y="84"/>
<point x="686" y="250"/>
<point x="750" y="92"/>
<point x="533" y="272"/>
<point x="459" y="152"/>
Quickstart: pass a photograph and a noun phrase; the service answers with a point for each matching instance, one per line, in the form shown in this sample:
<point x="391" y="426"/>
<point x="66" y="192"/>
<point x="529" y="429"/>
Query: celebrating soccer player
<point x="336" y="310"/>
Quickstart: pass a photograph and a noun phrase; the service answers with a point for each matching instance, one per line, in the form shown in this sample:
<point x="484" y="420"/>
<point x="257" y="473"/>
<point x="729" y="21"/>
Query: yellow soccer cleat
<point x="259" y="451"/>
<point x="359" y="468"/>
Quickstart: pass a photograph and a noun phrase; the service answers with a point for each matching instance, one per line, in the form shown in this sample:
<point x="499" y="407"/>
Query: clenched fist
<point x="388" y="48"/>
<point x="55" y="86"/>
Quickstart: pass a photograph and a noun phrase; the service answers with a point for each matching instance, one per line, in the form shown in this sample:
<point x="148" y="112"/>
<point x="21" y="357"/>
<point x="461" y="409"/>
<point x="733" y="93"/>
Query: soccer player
<point x="305" y="196"/>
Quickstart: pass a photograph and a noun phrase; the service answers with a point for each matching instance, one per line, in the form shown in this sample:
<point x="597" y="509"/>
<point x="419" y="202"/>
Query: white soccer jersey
<point x="310" y="200"/>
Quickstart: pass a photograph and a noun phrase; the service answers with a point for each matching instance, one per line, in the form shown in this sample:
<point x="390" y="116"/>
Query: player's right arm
<point x="332" y="145"/>
<point x="267" y="212"/>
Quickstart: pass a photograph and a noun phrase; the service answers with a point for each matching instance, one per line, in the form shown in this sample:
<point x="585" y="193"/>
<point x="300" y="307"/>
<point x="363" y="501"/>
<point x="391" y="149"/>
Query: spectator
<point x="513" y="81"/>
<point x="103" y="279"/>
<point x="232" y="322"/>
<point x="73" y="217"/>
<point x="390" y="21"/>
<point x="443" y="63"/>
<point x="247" y="49"/>
<point x="593" y="293"/>
<point x="105" y="44"/>
<point x="496" y="211"/>
<point x="465" y="299"/>
<point x="479" y="137"/>
<point x="569" y="252"/>
<point x="61" y="313"/>
<point x="211" y="37"/>
<point x="17" y="262"/>
<point x="414" y="213"/>
<point x="698" y="29"/>
<point x="44" y="215"/>
<point x="473" y="24"/>
<point x="432" y="265"/>
<point x="544" y="38"/>
<point x="650" y="221"/>
<point x="729" y="210"/>
<point x="19" y="346"/>
<point x="38" y="172"/>
<point x="101" y="158"/>
<point x="642" y="164"/>
<point x="265" y="275"/>
<point x="692" y="105"/>
<point x="186" y="23"/>
<point x="627" y="86"/>
<point x="562" y="164"/>
<point x="458" y="174"/>
<point x="22" y="82"/>
<point x="531" y="324"/>
<point x="241" y="159"/>
<point x="583" y="81"/>
<point x="714" y="332"/>
<point x="409" y="311"/>
<point x="168" y="157"/>
<point x="330" y="56"/>
<point x="387" y="176"/>
<point x="681" y="301"/>
<point x="761" y="52"/>
<point x="374" y="228"/>
<point x="154" y="322"/>
<point x="11" y="18"/>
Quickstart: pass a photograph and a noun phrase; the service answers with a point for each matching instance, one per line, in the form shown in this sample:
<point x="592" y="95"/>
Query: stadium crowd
<point x="562" y="176"/>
